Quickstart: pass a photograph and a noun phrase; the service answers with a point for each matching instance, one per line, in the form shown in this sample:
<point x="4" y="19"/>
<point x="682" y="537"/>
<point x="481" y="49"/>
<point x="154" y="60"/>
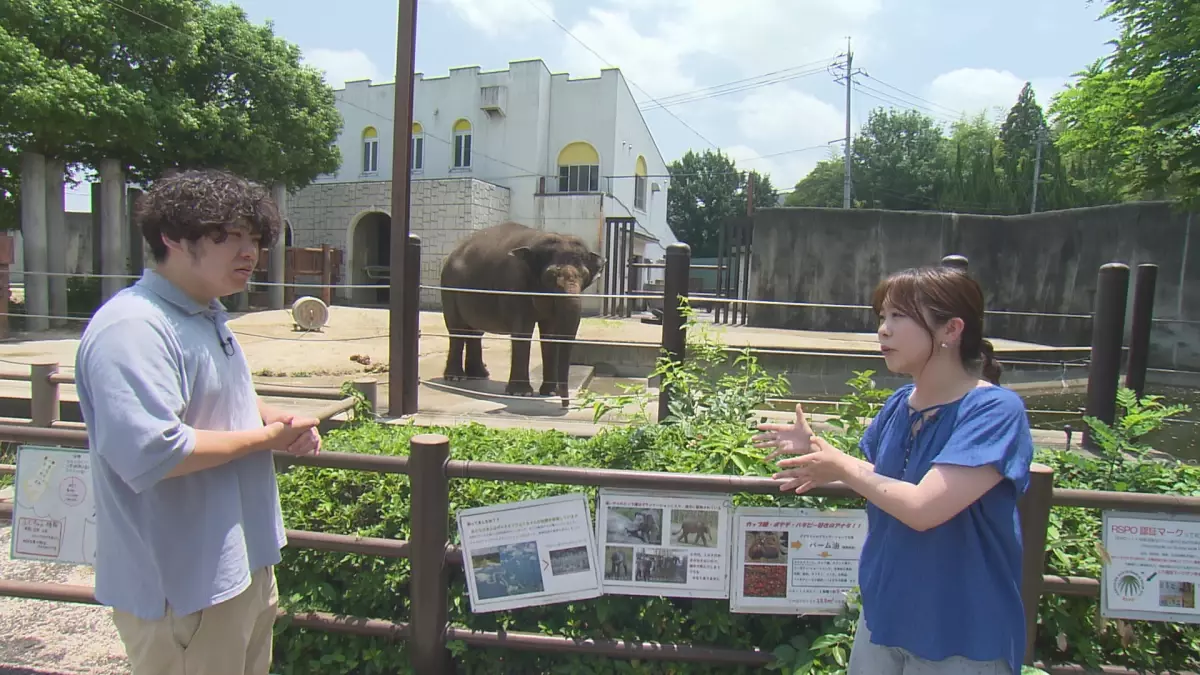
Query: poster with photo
<point x="529" y="553"/>
<point x="795" y="561"/>
<point x="54" y="512"/>
<point x="1153" y="567"/>
<point x="664" y="543"/>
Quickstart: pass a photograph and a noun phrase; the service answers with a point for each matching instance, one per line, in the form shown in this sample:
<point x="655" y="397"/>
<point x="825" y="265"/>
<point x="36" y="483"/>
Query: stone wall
<point x="1044" y="262"/>
<point x="441" y="212"/>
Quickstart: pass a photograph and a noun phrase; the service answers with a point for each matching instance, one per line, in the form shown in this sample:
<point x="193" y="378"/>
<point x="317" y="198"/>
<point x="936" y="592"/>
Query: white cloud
<point x="651" y="41"/>
<point x="341" y="66"/>
<point x="497" y="17"/>
<point x="975" y="90"/>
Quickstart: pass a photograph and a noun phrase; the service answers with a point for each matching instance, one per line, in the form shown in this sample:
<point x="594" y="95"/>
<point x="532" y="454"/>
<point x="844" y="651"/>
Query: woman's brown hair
<point x="946" y="293"/>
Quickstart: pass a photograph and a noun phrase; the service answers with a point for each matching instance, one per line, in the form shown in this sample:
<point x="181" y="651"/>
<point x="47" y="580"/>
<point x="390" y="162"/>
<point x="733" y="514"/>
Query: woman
<point x="947" y="458"/>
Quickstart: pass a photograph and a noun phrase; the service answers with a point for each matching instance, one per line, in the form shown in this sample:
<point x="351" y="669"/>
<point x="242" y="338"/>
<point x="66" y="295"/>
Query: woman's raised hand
<point x="786" y="439"/>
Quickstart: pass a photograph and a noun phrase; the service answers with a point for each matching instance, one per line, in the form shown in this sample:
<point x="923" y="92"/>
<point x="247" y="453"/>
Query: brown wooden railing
<point x="430" y="553"/>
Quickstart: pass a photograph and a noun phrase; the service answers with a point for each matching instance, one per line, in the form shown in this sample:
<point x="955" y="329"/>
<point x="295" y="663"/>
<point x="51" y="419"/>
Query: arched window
<point x="578" y="168"/>
<point x="639" y="184"/>
<point x="462" y="144"/>
<point x="370" y="145"/>
<point x="418" y="147"/>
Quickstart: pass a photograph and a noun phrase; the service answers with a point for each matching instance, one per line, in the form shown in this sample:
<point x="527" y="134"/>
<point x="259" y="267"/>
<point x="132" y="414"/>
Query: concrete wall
<point x="1044" y="262"/>
<point x="441" y="213"/>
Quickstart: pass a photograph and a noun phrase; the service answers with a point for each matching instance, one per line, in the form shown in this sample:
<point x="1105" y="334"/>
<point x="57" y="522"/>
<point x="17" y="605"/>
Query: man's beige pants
<point x="231" y="638"/>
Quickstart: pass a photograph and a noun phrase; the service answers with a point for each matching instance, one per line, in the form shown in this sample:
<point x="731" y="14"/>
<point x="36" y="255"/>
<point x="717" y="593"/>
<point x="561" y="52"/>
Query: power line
<point x="745" y="84"/>
<point x="627" y="78"/>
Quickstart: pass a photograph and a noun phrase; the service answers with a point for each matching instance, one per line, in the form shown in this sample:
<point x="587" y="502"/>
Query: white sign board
<point x="795" y="561"/>
<point x="54" y="516"/>
<point x="672" y="544"/>
<point x="1153" y="568"/>
<point x="529" y="553"/>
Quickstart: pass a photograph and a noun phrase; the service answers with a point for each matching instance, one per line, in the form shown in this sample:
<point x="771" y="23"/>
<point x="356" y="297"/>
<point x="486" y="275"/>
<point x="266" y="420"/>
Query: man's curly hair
<point x="204" y="203"/>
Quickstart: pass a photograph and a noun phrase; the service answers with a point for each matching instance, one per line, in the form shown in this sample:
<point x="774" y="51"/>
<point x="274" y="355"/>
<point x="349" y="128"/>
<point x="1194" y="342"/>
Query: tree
<point x="823" y="186"/>
<point x="708" y="190"/>
<point x="896" y="161"/>
<point x="168" y="83"/>
<point x="1134" y="115"/>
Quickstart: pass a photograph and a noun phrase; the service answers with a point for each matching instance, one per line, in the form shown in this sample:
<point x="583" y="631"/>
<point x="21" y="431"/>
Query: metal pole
<point x="43" y="394"/>
<point x="429" y="579"/>
<point x="406" y="47"/>
<point x="1140" y="324"/>
<point x="411" y="325"/>
<point x="369" y="388"/>
<point x="1034" y="510"/>
<point x="847" y="181"/>
<point x="674" y="335"/>
<point x="956" y="261"/>
<point x="1108" y="327"/>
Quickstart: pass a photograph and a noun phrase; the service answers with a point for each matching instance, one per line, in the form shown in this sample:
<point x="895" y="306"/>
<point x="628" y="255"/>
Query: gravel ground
<point x="40" y="637"/>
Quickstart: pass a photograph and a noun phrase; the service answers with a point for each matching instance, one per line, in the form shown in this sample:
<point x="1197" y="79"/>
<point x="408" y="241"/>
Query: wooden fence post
<point x="43" y="394"/>
<point x="674" y="335"/>
<point x="1140" y="324"/>
<point x="1108" y="330"/>
<point x="429" y="579"/>
<point x="1034" y="509"/>
<point x="411" y="324"/>
<point x="369" y="388"/>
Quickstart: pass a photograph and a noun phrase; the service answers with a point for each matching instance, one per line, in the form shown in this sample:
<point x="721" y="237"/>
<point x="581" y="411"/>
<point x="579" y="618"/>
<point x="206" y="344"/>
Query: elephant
<point x="513" y="257"/>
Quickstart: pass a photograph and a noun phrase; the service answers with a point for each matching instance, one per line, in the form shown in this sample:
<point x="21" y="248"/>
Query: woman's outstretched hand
<point x="823" y="465"/>
<point x="786" y="439"/>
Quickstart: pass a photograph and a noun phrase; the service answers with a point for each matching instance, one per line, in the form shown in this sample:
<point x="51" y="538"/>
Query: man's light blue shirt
<point x="153" y="367"/>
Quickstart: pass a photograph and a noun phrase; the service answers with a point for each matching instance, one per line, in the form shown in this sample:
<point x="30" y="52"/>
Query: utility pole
<point x="847" y="183"/>
<point x="1037" y="167"/>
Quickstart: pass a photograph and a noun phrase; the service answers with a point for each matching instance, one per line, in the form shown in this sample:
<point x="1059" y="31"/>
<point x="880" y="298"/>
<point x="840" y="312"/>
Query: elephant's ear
<point x="530" y="257"/>
<point x="595" y="264"/>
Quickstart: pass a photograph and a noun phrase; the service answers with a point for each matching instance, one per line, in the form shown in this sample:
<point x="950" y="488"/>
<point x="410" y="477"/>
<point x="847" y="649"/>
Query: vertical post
<point x="369" y="388"/>
<point x="609" y="283"/>
<point x="633" y="281"/>
<point x="737" y="251"/>
<point x="720" y="311"/>
<point x="1108" y="328"/>
<point x="1139" y="333"/>
<point x="56" y="235"/>
<point x="276" y="297"/>
<point x="748" y="241"/>
<point x="112" y="227"/>
<point x="956" y="261"/>
<point x="291" y="258"/>
<point x="847" y="181"/>
<point x="1034" y="510"/>
<point x="43" y="394"/>
<point x="326" y="274"/>
<point x="411" y="325"/>
<point x="674" y="335"/>
<point x="35" y="240"/>
<point x="406" y="48"/>
<point x="7" y="253"/>
<point x="428" y="579"/>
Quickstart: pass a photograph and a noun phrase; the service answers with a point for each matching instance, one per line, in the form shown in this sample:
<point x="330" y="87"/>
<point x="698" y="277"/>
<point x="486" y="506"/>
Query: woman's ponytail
<point x="991" y="367"/>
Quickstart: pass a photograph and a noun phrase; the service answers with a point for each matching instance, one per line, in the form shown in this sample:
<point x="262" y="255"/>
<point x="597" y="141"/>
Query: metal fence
<point x="430" y="552"/>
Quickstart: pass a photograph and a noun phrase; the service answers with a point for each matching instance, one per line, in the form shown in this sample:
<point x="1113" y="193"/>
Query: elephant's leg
<point x="454" y="359"/>
<point x="476" y="368"/>
<point x="518" y="374"/>
<point x="546" y="338"/>
<point x="562" y="369"/>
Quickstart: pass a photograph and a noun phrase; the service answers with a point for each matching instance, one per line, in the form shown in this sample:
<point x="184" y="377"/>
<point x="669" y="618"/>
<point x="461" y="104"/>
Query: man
<point x="189" y="526"/>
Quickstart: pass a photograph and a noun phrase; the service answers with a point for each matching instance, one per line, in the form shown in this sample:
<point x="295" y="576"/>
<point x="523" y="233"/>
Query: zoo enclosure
<point x="430" y="468"/>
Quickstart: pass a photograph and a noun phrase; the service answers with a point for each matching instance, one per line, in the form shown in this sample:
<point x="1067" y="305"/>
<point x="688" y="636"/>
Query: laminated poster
<point x="664" y="543"/>
<point x="795" y="561"/>
<point x="54" y="515"/>
<point x="1153" y="567"/>
<point x="529" y="553"/>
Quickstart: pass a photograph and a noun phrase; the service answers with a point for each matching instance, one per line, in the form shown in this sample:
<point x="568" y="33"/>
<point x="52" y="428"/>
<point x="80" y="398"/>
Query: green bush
<point x="708" y="432"/>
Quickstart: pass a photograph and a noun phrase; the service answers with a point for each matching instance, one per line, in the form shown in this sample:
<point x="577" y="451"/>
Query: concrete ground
<point x="354" y="343"/>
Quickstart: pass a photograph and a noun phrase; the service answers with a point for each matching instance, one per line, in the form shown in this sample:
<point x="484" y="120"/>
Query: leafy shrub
<point x="708" y="431"/>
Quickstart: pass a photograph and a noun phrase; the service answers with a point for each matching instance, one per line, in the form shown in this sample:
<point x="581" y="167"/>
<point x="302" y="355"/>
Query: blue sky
<point x="954" y="56"/>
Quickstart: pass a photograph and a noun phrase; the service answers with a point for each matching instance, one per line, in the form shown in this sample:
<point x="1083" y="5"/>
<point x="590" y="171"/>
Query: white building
<point x="520" y="144"/>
